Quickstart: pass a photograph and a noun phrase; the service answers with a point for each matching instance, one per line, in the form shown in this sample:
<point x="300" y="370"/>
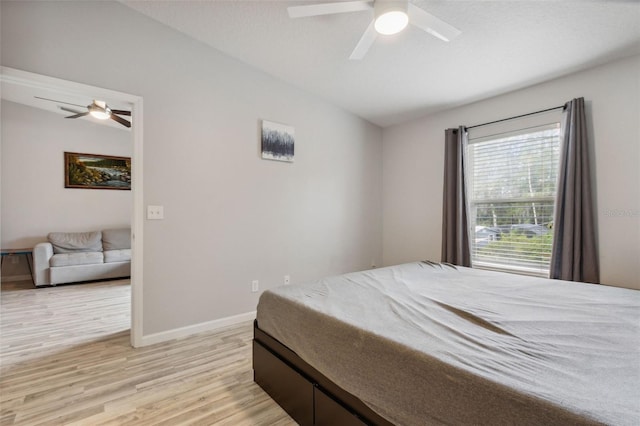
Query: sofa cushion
<point x="79" y="258"/>
<point x="73" y="242"/>
<point x="116" y="239"/>
<point x="112" y="256"/>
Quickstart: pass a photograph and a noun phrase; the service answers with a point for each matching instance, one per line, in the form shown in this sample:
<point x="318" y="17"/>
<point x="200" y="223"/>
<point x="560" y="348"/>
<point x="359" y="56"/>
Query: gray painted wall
<point x="34" y="199"/>
<point x="230" y="217"/>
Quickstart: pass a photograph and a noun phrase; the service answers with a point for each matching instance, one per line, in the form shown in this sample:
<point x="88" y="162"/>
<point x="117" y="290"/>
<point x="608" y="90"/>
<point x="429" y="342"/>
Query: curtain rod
<point x="517" y="116"/>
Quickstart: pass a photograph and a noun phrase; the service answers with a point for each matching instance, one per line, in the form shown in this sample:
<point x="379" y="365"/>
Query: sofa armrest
<point x="42" y="252"/>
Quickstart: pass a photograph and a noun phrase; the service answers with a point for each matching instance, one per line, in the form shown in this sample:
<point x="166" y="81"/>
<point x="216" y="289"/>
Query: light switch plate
<point x="155" y="212"/>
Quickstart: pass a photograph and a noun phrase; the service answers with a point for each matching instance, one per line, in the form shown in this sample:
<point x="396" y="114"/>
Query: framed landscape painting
<point x="277" y="141"/>
<point x="91" y="171"/>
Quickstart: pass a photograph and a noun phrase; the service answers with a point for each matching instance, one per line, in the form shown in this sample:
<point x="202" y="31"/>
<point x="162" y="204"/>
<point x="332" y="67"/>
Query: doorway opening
<point x="24" y="88"/>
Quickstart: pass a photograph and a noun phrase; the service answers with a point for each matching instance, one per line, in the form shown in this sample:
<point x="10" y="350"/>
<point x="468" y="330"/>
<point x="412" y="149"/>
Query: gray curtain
<point x="455" y="230"/>
<point x="574" y="256"/>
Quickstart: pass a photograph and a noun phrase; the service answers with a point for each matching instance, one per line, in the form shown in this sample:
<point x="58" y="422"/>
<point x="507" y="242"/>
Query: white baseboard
<point x="11" y="278"/>
<point x="177" y="333"/>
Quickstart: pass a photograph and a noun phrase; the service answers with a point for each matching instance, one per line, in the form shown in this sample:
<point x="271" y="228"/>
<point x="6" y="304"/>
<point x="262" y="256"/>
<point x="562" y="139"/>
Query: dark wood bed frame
<point x="303" y="392"/>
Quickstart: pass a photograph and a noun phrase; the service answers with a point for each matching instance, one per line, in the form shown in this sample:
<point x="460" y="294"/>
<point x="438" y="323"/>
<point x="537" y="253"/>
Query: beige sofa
<point x="69" y="257"/>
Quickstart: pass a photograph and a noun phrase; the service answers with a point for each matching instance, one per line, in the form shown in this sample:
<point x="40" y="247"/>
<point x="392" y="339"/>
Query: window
<point x="511" y="193"/>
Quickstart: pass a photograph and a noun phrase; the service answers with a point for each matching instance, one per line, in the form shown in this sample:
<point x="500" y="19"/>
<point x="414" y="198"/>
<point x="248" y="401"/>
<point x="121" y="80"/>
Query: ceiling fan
<point x="390" y="17"/>
<point x="97" y="109"/>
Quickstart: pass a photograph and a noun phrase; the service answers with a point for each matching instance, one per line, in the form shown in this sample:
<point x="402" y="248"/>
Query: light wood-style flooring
<point x="65" y="358"/>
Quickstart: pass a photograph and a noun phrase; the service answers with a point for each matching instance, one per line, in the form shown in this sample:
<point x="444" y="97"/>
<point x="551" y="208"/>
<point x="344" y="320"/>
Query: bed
<point x="428" y="343"/>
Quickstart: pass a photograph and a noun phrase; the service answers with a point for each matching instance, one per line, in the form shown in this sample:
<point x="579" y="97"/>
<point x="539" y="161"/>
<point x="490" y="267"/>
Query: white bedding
<point x="425" y="343"/>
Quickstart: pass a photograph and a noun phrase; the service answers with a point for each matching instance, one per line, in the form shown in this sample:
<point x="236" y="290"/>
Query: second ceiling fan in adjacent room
<point x="97" y="109"/>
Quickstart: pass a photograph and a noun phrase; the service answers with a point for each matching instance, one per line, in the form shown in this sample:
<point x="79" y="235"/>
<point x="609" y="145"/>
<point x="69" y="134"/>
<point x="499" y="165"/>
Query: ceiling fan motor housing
<point x="99" y="110"/>
<point x="383" y="6"/>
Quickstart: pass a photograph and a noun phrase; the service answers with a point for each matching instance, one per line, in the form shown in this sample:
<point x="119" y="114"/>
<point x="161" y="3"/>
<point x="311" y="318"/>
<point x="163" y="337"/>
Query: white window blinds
<point x="511" y="188"/>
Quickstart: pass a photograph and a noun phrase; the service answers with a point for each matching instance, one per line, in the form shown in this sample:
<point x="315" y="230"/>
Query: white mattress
<point x="425" y="343"/>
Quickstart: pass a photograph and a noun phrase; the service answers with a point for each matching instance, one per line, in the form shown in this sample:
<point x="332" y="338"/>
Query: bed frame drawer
<point x="294" y="393"/>
<point x="295" y="385"/>
<point x="328" y="412"/>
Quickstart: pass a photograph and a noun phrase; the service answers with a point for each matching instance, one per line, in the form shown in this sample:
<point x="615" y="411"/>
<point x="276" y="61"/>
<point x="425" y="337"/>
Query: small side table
<point x="28" y="253"/>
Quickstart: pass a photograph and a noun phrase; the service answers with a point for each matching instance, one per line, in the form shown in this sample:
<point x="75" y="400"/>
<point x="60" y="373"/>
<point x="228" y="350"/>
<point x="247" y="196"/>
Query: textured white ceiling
<point x="504" y="45"/>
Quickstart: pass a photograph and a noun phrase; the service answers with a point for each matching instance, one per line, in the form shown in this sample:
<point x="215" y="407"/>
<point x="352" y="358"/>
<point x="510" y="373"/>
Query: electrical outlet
<point x="255" y="285"/>
<point x="155" y="212"/>
<point x="287" y="280"/>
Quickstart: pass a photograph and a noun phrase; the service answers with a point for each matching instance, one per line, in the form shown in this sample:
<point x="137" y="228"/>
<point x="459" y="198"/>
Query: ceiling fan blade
<point x="121" y="112"/>
<point x="69" y="110"/>
<point x="78" y="115"/>
<point x="328" y="8"/>
<point x="60" y="102"/>
<point x="429" y="23"/>
<point x="365" y="42"/>
<point x="120" y="120"/>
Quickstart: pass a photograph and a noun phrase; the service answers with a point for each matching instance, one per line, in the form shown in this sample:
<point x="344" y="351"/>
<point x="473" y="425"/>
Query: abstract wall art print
<point x="277" y="141"/>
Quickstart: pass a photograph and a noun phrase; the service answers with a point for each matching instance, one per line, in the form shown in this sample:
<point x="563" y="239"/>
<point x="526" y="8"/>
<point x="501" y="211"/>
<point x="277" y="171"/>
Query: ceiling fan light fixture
<point x="100" y="115"/>
<point x="390" y="16"/>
